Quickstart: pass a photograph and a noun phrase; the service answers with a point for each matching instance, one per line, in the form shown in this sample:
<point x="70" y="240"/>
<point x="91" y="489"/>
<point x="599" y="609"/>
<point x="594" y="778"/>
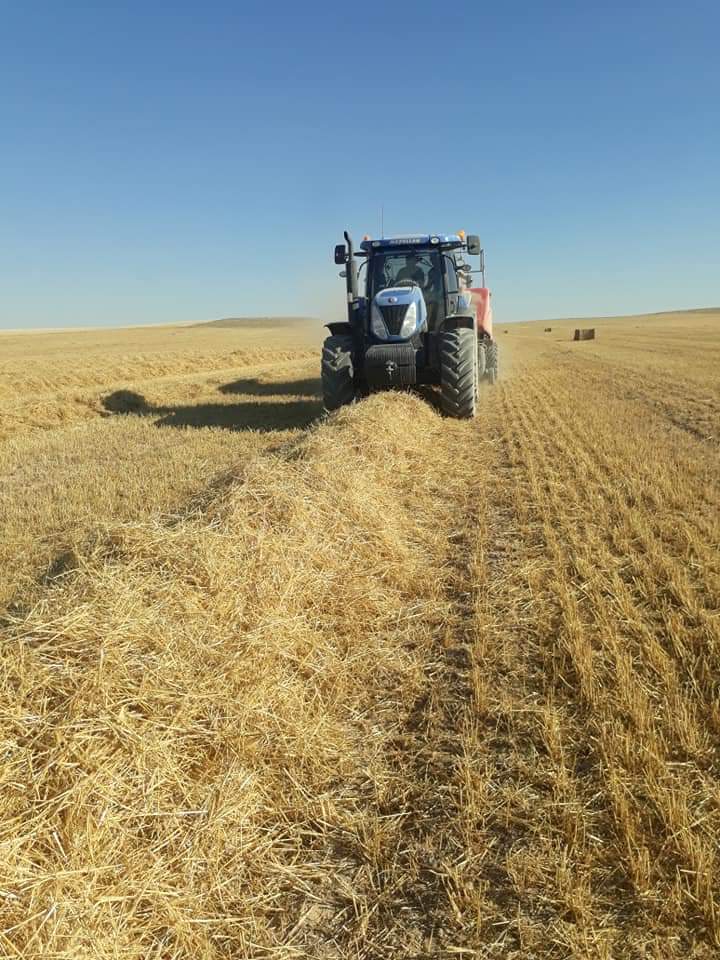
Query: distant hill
<point x="711" y="313"/>
<point x="256" y="322"/>
<point x="667" y="313"/>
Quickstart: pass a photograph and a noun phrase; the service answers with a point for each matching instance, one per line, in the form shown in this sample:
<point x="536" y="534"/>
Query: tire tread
<point x="458" y="372"/>
<point x="337" y="372"/>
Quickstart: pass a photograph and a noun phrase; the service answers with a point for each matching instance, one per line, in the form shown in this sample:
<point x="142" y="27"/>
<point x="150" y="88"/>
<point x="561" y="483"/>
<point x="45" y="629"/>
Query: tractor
<point x="413" y="318"/>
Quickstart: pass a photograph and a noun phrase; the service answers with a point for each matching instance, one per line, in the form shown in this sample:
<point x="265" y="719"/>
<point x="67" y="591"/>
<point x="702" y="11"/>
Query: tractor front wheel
<point x="337" y="372"/>
<point x="459" y="372"/>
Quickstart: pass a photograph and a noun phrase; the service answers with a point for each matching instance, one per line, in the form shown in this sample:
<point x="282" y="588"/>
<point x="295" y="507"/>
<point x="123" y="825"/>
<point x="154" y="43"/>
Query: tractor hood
<point x="398" y="313"/>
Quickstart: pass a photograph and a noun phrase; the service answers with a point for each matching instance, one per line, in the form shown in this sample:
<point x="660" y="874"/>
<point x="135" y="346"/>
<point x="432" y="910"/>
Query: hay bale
<point x="586" y="334"/>
<point x="548" y="329"/>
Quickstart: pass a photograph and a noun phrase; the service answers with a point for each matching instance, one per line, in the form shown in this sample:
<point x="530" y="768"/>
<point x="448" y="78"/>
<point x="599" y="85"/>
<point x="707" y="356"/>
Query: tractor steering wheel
<point x="406" y="283"/>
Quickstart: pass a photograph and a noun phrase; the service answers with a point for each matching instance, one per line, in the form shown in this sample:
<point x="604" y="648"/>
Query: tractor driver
<point x="412" y="271"/>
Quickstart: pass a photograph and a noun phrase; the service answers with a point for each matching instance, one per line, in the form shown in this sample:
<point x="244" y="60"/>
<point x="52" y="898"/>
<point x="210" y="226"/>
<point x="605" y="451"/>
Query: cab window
<point x="387" y="270"/>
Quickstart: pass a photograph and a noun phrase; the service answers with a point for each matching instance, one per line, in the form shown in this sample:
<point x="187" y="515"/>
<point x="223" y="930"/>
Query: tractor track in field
<point x="452" y="890"/>
<point x="430" y="746"/>
<point x="439" y="725"/>
<point x="419" y="911"/>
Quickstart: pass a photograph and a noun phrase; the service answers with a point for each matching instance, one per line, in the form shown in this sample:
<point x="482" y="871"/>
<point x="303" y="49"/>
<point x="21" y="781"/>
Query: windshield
<point x="421" y="267"/>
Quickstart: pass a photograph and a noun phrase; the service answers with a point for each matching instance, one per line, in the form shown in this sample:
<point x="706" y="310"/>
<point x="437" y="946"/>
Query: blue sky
<point x="184" y="161"/>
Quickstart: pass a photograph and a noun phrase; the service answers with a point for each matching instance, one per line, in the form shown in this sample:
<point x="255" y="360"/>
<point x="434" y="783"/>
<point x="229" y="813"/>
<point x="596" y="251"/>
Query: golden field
<point x="378" y="685"/>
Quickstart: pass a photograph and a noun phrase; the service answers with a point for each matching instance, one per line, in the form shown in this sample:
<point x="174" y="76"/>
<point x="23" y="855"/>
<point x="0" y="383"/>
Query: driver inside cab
<point x="411" y="271"/>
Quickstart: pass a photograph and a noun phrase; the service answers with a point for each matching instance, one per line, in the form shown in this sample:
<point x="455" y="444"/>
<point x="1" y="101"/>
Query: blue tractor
<point x="416" y="320"/>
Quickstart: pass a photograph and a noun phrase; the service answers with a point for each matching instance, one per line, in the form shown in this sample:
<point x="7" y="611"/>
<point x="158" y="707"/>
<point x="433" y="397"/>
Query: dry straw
<point x="198" y="722"/>
<point x="390" y="687"/>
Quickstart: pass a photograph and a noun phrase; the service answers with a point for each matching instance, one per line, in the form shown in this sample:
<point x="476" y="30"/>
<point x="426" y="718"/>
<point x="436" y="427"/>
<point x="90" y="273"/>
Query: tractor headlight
<point x="408" y="325"/>
<point x="377" y="324"/>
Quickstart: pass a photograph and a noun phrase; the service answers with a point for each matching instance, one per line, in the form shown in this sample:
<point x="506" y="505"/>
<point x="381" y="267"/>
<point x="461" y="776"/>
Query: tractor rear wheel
<point x="459" y="372"/>
<point x="337" y="372"/>
<point x="492" y="362"/>
<point x="483" y="357"/>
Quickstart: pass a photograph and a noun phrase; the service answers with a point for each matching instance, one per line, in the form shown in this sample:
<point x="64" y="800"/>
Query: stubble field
<point x="379" y="685"/>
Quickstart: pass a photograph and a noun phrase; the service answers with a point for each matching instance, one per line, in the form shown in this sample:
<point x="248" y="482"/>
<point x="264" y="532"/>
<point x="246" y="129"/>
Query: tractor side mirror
<point x="473" y="245"/>
<point x="343" y="273"/>
<point x="340" y="254"/>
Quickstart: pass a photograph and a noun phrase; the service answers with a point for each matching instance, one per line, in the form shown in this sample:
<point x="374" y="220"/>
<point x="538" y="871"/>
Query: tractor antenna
<point x="382" y="221"/>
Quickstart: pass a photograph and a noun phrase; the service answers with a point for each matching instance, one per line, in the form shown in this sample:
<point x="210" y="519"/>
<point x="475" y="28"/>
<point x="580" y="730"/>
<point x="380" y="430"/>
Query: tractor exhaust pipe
<point x="351" y="277"/>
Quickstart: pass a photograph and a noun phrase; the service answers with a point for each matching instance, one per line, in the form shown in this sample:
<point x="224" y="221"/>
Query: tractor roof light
<point x="461" y="234"/>
<point x="444" y="241"/>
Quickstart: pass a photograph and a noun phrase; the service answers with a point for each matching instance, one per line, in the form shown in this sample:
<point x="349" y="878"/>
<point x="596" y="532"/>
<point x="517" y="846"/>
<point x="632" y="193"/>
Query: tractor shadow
<point x="308" y="387"/>
<point x="260" y="415"/>
<point x="265" y="417"/>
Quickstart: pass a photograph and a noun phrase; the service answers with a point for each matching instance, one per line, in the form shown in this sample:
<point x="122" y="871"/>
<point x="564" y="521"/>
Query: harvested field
<point x="381" y="685"/>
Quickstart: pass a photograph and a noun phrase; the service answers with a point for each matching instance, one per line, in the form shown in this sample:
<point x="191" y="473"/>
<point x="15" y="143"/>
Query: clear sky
<point x="184" y="161"/>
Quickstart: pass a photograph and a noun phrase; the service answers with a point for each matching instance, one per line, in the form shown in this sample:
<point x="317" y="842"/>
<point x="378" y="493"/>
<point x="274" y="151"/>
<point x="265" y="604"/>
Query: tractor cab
<point x="420" y="268"/>
<point x="427" y="262"/>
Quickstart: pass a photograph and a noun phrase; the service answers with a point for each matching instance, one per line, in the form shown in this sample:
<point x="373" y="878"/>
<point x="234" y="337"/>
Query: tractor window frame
<point x="452" y="281"/>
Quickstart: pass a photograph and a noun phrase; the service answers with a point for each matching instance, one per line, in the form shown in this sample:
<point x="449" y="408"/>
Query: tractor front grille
<point x="393" y="314"/>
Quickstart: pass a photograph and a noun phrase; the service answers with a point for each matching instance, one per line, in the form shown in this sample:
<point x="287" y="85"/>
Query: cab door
<point x="452" y="287"/>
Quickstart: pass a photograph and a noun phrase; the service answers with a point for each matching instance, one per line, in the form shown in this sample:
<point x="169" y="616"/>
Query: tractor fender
<point x="342" y="327"/>
<point x="458" y="321"/>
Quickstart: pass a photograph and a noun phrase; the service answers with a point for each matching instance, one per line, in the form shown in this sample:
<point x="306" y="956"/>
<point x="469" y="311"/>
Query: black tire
<point x="492" y="365"/>
<point x="458" y="372"/>
<point x="482" y="359"/>
<point x="337" y="372"/>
